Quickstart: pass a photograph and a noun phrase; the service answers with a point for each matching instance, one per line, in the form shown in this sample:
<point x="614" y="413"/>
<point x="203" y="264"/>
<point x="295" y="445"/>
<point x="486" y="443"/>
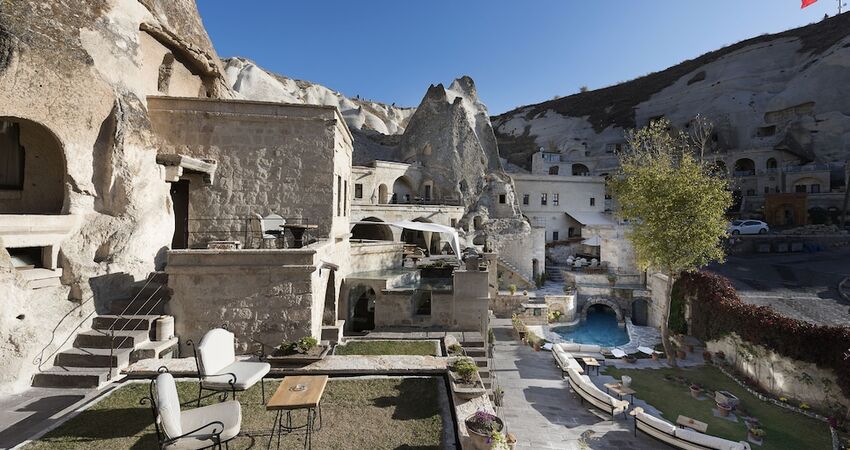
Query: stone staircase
<point x="475" y="348"/>
<point x="504" y="265"/>
<point x="98" y="355"/>
<point x="554" y="274"/>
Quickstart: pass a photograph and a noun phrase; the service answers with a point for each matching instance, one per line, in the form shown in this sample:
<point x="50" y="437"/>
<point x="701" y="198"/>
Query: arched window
<point x="771" y="163"/>
<point x="554" y="170"/>
<point x="580" y="170"/>
<point x="33" y="164"/>
<point x="745" y="167"/>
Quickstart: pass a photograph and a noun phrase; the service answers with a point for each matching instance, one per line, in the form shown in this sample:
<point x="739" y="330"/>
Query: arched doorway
<point x="329" y="315"/>
<point x="32" y="167"/>
<point x="554" y="170"/>
<point x="744" y="167"/>
<point x="580" y="170"/>
<point x="421" y="238"/>
<point x="383" y="195"/>
<point x="377" y="232"/>
<point x="640" y="312"/>
<point x="362" y="310"/>
<point x="600" y="303"/>
<point x="535" y="269"/>
<point x="402" y="190"/>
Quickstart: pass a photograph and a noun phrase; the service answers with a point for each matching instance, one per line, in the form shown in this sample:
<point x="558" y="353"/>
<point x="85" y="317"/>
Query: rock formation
<point x="79" y="73"/>
<point x="254" y="83"/>
<point x="785" y="91"/>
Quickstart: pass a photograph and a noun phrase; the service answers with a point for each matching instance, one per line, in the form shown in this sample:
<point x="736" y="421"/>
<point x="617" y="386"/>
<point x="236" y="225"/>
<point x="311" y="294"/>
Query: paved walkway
<point x="541" y="410"/>
<point x="36" y="410"/>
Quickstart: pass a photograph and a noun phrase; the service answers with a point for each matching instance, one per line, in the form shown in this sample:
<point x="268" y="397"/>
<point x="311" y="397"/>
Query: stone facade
<point x="562" y="194"/>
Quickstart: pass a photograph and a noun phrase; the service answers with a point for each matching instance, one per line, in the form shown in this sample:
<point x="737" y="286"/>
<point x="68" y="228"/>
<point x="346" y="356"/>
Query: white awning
<point x="593" y="242"/>
<point x="590" y="218"/>
<point x="454" y="240"/>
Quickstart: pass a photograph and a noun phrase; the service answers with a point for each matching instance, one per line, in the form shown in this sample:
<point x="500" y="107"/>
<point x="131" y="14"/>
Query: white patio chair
<point x="618" y="353"/>
<point x="218" y="369"/>
<point x="205" y="427"/>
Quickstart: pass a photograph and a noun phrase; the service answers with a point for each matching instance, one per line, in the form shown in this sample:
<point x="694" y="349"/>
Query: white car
<point x="748" y="227"/>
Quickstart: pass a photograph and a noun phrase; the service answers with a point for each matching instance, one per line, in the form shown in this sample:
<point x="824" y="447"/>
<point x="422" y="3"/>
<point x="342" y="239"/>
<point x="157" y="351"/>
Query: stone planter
<point x="696" y="391"/>
<point x="298" y="359"/>
<point x="467" y="391"/>
<point x="479" y="439"/>
<point x="724" y="409"/>
<point x="727" y="398"/>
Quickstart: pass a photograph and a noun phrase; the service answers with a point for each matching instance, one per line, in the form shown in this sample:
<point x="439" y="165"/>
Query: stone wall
<point x="505" y="305"/>
<point x="272" y="158"/>
<point x="781" y="376"/>
<point x="268" y="295"/>
<point x="657" y="285"/>
<point x="375" y="256"/>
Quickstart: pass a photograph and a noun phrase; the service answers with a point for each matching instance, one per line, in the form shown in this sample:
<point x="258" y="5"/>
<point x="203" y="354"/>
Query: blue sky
<point x="518" y="52"/>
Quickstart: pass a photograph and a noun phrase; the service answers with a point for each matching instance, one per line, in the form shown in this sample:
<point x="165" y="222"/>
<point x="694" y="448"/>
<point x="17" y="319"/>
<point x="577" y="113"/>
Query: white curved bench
<point x="588" y="391"/>
<point x="681" y="437"/>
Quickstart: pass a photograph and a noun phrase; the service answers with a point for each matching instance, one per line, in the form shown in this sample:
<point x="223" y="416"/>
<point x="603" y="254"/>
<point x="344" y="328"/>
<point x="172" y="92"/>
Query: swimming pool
<point x="600" y="328"/>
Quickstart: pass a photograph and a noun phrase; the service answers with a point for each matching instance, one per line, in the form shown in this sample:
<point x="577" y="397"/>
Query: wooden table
<point x="696" y="425"/>
<point x="298" y="392"/>
<point x="620" y="390"/>
<point x="591" y="362"/>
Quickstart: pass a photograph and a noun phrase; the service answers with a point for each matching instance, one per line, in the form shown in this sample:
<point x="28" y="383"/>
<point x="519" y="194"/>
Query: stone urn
<point x="724" y="409"/>
<point x="626" y="381"/>
<point x="695" y="391"/>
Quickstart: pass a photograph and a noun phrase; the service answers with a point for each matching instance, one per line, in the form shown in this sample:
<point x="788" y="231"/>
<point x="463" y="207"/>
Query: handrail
<point x="40" y="358"/>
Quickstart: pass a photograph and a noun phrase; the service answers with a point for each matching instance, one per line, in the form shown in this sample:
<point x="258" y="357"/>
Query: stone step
<point x="138" y="307"/>
<point x="71" y="377"/>
<point x="475" y="352"/>
<point x="480" y="361"/>
<point x="124" y="323"/>
<point x="105" y="339"/>
<point x="93" y="357"/>
<point x="154" y="350"/>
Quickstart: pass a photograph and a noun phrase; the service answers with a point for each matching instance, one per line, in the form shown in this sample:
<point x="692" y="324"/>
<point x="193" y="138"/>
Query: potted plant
<point x="569" y="289"/>
<point x="498" y="441"/>
<point x="455" y="350"/>
<point x="706" y="356"/>
<point x="696" y="390"/>
<point x="720" y="357"/>
<point x="499" y="396"/>
<point x="512" y="289"/>
<point x="304" y="351"/>
<point x="756" y="434"/>
<point x="612" y="279"/>
<point x="630" y="359"/>
<point x="724" y="409"/>
<point x="481" y="426"/>
<point x="465" y="380"/>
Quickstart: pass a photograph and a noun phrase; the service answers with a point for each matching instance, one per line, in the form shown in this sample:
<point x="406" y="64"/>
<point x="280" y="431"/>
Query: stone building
<point x="555" y="201"/>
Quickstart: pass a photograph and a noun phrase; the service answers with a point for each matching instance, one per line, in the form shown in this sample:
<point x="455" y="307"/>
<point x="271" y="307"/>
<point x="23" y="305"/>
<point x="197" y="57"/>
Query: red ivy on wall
<point x="716" y="311"/>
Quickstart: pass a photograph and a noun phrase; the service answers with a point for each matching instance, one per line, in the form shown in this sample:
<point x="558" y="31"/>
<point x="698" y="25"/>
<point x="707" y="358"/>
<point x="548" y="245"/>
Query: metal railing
<point x="111" y="330"/>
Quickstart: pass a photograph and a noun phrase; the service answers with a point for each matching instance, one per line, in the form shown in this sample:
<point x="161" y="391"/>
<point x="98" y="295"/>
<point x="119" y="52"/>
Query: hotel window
<point x="525" y="199"/>
<point x="544" y="199"/>
<point x="554" y="235"/>
<point x="11" y="157"/>
<point x="815" y="189"/>
<point x="503" y="198"/>
<point x="345" y="199"/>
<point x="556" y="198"/>
<point x="454" y="223"/>
<point x="358" y="190"/>
<point x="800" y="188"/>
<point x="592" y="201"/>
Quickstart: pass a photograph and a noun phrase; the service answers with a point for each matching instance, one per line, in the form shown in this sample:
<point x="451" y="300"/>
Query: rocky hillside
<point x="785" y="91"/>
<point x="255" y="83"/>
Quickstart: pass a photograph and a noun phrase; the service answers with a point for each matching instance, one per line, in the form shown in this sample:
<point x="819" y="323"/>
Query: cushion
<point x="248" y="373"/>
<point x="707" y="440"/>
<point x="168" y="405"/>
<point x="586" y="348"/>
<point x="228" y="413"/>
<point x="216" y="351"/>
<point x="574" y="375"/>
<point x="569" y="346"/>
<point x="657" y="423"/>
<point x="573" y="364"/>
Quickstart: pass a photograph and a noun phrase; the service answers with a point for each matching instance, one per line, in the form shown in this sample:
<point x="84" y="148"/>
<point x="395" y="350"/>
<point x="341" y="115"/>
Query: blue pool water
<point x="600" y="328"/>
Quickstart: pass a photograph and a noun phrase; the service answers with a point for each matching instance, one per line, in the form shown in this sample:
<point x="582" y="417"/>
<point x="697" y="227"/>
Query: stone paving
<point x="36" y="411"/>
<point x="541" y="410"/>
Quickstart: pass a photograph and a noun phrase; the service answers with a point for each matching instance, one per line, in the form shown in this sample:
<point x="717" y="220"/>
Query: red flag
<point x="807" y="3"/>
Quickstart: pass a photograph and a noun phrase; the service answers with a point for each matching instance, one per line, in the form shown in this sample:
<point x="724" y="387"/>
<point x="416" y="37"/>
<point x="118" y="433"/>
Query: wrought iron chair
<point x="210" y="426"/>
<point x="218" y="369"/>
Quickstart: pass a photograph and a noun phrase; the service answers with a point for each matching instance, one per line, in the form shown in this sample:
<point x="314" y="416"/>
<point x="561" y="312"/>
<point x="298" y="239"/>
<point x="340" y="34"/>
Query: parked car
<point x="748" y="227"/>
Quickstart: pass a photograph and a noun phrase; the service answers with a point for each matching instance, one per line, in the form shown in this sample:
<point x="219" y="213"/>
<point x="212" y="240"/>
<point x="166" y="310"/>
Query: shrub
<point x="306" y="344"/>
<point x="455" y="349"/>
<point x="466" y="369"/>
<point x="512" y="288"/>
<point x="716" y="311"/>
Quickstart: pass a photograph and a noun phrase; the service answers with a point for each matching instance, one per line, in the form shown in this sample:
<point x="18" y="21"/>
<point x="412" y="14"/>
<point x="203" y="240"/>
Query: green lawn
<point x="785" y="429"/>
<point x="365" y="347"/>
<point x="393" y="413"/>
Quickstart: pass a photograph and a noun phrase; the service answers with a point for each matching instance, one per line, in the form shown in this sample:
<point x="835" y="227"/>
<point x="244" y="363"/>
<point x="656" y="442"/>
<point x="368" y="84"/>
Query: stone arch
<point x="370" y="232"/>
<point x="745" y="166"/>
<point x="403" y="190"/>
<point x="383" y="194"/>
<point x="580" y="170"/>
<point x="602" y="301"/>
<point x="554" y="170"/>
<point x="361" y="308"/>
<point x="33" y="163"/>
<point x="770" y="163"/>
